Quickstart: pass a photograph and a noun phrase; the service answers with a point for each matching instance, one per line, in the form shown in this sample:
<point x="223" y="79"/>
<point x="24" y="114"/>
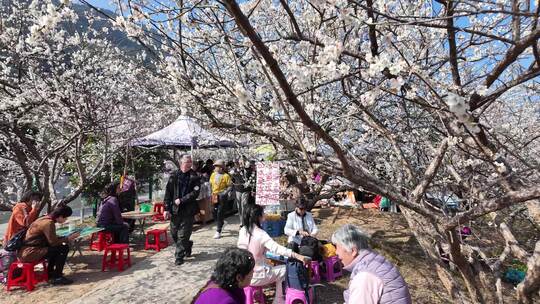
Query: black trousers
<point x="218" y="213"/>
<point x="120" y="232"/>
<point x="56" y="259"/>
<point x="181" y="228"/>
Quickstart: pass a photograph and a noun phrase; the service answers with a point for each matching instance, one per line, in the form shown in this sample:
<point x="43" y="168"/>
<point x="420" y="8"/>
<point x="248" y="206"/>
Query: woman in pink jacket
<point x="253" y="238"/>
<point x="374" y="279"/>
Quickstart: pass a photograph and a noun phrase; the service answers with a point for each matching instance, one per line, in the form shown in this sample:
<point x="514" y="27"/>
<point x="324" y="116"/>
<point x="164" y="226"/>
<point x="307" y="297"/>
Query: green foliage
<point x="144" y="165"/>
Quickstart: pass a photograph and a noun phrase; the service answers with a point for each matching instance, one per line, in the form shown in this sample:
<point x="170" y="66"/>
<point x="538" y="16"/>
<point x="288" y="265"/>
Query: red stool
<point x="156" y="243"/>
<point x="28" y="278"/>
<point x="315" y="272"/>
<point x="159" y="208"/>
<point x="100" y="240"/>
<point x="254" y="293"/>
<point x="331" y="269"/>
<point x="116" y="261"/>
<point x="295" y="296"/>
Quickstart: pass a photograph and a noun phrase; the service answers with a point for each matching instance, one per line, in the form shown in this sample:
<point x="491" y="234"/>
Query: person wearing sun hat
<point x="221" y="184"/>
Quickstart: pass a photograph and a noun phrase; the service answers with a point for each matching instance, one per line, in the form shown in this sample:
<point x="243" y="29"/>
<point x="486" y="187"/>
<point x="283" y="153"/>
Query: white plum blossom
<point x="386" y="92"/>
<point x="330" y="53"/>
<point x="65" y="91"/>
<point x="396" y="83"/>
<point x="460" y="108"/>
<point x="241" y="94"/>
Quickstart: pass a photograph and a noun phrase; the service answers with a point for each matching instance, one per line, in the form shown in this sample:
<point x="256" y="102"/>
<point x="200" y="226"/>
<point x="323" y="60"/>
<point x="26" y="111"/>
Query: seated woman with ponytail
<point x="233" y="272"/>
<point x="253" y="238"/>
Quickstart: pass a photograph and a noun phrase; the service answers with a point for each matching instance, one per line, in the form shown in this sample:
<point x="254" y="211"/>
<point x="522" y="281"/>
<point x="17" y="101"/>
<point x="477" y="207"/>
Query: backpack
<point x="309" y="246"/>
<point x="297" y="276"/>
<point x="17" y="241"/>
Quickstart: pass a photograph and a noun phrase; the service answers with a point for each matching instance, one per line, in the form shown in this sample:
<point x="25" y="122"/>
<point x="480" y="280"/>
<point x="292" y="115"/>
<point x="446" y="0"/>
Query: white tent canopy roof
<point x="183" y="133"/>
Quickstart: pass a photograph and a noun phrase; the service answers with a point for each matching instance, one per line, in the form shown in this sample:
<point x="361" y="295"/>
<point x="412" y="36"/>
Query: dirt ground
<point x="390" y="236"/>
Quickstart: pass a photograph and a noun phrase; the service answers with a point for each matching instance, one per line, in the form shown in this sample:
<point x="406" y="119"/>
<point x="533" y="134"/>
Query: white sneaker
<point x="217" y="235"/>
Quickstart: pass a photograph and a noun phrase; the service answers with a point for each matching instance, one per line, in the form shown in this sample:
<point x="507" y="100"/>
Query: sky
<point x="107" y="4"/>
<point x="460" y="22"/>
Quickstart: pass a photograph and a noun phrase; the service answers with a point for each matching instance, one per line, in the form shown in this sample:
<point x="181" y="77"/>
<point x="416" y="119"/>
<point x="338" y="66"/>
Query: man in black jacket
<point x="181" y="205"/>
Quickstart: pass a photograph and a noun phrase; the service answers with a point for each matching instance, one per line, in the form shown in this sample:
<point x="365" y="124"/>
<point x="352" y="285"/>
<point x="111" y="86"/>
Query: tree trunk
<point x="534" y="211"/>
<point x="451" y="287"/>
<point x="487" y="281"/>
<point x="529" y="288"/>
<point x="471" y="282"/>
<point x="427" y="236"/>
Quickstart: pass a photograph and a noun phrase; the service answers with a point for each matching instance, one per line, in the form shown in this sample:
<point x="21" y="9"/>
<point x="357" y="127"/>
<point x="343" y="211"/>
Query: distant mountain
<point x="117" y="37"/>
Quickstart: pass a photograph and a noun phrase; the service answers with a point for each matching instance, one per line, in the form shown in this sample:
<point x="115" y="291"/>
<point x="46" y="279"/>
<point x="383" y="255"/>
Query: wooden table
<point x="139" y="217"/>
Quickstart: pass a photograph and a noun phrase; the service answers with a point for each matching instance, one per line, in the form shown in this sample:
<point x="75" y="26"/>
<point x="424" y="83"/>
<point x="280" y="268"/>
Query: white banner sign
<point x="267" y="184"/>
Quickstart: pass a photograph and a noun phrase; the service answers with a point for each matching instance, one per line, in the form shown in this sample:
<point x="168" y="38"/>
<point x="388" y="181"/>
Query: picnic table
<point x="84" y="233"/>
<point x="139" y="216"/>
<point x="276" y="258"/>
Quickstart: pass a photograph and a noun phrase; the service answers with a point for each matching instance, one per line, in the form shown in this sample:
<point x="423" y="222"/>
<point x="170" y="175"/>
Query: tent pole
<point x="150" y="187"/>
<point x="112" y="169"/>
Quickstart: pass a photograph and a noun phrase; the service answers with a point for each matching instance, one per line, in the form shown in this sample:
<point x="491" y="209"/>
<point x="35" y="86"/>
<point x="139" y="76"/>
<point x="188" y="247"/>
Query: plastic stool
<point x="295" y="296"/>
<point x="114" y="261"/>
<point x="315" y="272"/>
<point x="331" y="269"/>
<point x="28" y="278"/>
<point x="254" y="293"/>
<point x="157" y="243"/>
<point x="159" y="208"/>
<point x="100" y="240"/>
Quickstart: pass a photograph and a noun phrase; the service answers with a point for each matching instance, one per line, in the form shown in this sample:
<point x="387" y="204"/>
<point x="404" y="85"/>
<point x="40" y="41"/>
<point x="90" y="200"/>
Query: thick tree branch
<point x="430" y="173"/>
<point x="291" y="17"/>
<point x="527" y="290"/>
<point x="244" y="24"/>
<point x="491" y="205"/>
<point x="374" y="46"/>
<point x="511" y="56"/>
<point x="452" y="48"/>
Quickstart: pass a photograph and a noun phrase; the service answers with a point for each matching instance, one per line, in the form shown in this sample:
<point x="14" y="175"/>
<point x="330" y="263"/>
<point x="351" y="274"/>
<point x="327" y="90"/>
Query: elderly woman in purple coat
<point x="373" y="278"/>
<point x="233" y="272"/>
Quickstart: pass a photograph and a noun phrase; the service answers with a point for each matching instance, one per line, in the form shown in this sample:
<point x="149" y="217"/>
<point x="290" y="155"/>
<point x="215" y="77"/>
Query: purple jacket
<point x="375" y="280"/>
<point x="221" y="296"/>
<point x="109" y="212"/>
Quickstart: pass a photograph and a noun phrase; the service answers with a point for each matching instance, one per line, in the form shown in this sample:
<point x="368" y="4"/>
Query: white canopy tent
<point x="183" y="133"/>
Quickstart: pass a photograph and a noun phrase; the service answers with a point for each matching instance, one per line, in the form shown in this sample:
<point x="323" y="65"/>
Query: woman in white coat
<point x="253" y="238"/>
<point x="299" y="224"/>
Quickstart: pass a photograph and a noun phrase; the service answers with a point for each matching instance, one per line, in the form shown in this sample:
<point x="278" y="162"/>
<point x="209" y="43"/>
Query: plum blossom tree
<point x="69" y="98"/>
<point x="417" y="100"/>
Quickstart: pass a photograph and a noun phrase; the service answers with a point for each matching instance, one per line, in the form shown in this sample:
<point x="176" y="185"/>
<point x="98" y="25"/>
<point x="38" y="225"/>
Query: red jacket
<point x="377" y="200"/>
